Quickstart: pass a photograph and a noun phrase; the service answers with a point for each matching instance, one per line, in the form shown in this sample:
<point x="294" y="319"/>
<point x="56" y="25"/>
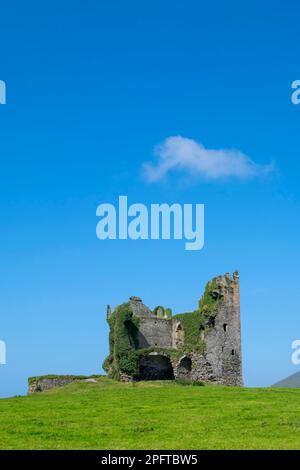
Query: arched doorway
<point x="185" y="367"/>
<point x="156" y="367"/>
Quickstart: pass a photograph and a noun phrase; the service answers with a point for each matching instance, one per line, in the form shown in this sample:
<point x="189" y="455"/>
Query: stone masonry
<point x="203" y="345"/>
<point x="42" y="384"/>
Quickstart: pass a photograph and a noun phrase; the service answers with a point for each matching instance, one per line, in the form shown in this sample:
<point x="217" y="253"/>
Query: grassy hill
<point x="151" y="415"/>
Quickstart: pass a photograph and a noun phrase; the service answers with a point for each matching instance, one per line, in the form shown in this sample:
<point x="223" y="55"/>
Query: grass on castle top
<point x="151" y="415"/>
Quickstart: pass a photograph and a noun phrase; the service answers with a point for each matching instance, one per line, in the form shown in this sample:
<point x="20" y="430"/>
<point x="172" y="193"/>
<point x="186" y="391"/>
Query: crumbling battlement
<point x="203" y="345"/>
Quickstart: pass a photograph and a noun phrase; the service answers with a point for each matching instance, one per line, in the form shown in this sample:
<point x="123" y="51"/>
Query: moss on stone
<point x="162" y="312"/>
<point x="106" y="365"/>
<point x="208" y="304"/>
<point x="123" y="340"/>
<point x="37" y="378"/>
<point x="198" y="323"/>
<point x="124" y="352"/>
<point x="159" y="311"/>
<point x="168" y="313"/>
<point x="192" y="323"/>
<point x="172" y="353"/>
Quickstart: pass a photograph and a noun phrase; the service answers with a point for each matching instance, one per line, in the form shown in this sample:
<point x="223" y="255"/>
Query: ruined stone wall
<point x="221" y="360"/>
<point x="155" y="332"/>
<point x="223" y="342"/>
<point x="42" y="384"/>
<point x="201" y="369"/>
<point x="209" y="339"/>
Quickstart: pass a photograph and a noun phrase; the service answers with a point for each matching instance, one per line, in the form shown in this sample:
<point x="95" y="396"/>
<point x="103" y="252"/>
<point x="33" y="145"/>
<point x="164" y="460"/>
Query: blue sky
<point x="91" y="90"/>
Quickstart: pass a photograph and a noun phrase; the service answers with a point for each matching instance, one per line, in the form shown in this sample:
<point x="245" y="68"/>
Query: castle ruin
<point x="203" y="345"/>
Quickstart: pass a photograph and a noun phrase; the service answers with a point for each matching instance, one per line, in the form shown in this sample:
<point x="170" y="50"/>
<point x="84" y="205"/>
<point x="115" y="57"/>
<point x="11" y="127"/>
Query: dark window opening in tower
<point x="232" y="352"/>
<point x="225" y="327"/>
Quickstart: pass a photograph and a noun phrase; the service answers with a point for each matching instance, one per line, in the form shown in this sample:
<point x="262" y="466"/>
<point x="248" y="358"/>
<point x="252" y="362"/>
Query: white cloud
<point x="182" y="154"/>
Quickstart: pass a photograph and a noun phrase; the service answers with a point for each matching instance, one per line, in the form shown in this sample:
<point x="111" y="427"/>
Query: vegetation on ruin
<point x="159" y="311"/>
<point x="151" y="415"/>
<point x="197" y="324"/>
<point x="168" y="313"/>
<point x="193" y="323"/>
<point x="172" y="353"/>
<point x="123" y="339"/>
<point x="53" y="376"/>
<point x="195" y="383"/>
<point x="163" y="312"/>
<point x="208" y="304"/>
<point x="123" y="336"/>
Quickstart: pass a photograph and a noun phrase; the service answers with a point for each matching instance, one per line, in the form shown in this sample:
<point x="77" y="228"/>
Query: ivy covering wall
<point x="123" y="342"/>
<point x="198" y="323"/>
<point x="124" y="349"/>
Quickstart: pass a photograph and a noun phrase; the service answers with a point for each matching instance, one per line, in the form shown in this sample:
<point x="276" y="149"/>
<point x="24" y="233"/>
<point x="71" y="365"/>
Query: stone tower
<point x="203" y="345"/>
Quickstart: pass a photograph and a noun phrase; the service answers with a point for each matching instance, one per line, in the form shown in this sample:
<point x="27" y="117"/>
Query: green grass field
<point x="151" y="415"/>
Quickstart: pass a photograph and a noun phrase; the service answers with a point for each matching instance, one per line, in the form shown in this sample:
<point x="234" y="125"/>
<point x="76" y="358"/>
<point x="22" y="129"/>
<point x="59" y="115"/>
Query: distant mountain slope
<point x="293" y="381"/>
